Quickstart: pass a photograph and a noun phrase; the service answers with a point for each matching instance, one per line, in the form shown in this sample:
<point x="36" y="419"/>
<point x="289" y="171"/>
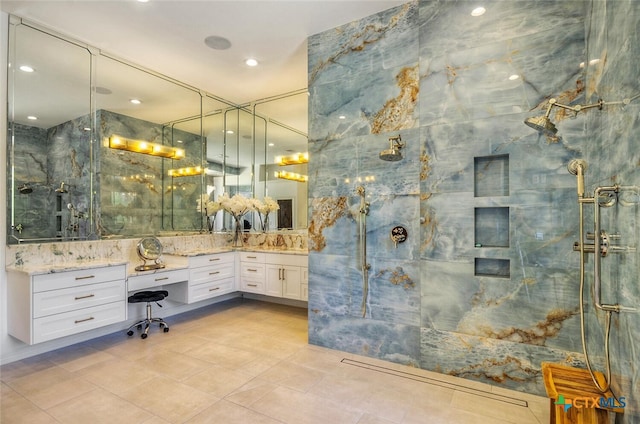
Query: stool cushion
<point x="148" y="296"/>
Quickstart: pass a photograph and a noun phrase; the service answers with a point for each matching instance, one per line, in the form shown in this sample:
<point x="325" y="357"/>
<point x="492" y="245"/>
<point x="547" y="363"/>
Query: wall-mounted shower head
<point x="578" y="167"/>
<point x="542" y="124"/>
<point x="25" y="189"/>
<point x="62" y="188"/>
<point x="393" y="154"/>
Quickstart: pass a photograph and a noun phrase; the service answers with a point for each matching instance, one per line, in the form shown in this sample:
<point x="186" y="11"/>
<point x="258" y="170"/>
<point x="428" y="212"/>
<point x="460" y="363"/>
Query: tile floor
<point x="242" y="362"/>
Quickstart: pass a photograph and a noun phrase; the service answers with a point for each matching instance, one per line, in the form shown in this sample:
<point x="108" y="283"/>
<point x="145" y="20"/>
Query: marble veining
<point x="493" y="328"/>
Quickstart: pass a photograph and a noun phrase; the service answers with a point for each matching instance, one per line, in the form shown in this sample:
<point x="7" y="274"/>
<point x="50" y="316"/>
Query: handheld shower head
<point x="578" y="167"/>
<point x="393" y="154"/>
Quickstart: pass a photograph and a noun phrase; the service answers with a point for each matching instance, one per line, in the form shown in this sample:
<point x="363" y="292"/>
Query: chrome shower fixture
<point x="544" y="125"/>
<point x="578" y="167"/>
<point x="62" y="188"/>
<point x="393" y="154"/>
<point x="25" y="189"/>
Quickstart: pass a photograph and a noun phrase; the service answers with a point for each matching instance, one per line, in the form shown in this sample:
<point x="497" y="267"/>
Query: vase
<point x="237" y="234"/>
<point x="265" y="224"/>
<point x="211" y="223"/>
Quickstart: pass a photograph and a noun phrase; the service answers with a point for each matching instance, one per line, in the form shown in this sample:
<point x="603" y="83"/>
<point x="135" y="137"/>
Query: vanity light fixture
<point x="186" y="172"/>
<point x="295" y="159"/>
<point x="140" y="146"/>
<point x="286" y="175"/>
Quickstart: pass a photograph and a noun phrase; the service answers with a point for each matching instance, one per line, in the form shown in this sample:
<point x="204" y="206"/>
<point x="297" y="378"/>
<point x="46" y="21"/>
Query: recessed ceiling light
<point x="478" y="11"/>
<point x="342" y="117"/>
<point x="217" y="43"/>
<point x="251" y="62"/>
<point x="143" y="1"/>
<point x="26" y="68"/>
<point x="135" y="101"/>
<point x="32" y="118"/>
<point x="514" y="77"/>
<point x="271" y="144"/>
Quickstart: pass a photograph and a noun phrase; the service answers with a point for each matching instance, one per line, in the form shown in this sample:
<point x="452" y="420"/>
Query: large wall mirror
<point x="120" y="151"/>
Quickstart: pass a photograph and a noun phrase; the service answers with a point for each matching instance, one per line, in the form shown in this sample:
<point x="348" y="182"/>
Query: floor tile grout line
<point x="435" y="382"/>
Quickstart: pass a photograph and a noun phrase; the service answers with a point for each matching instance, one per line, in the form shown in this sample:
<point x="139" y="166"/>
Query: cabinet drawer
<point x="211" y="289"/>
<point x="286" y="259"/>
<point x="212" y="273"/>
<point x="252" y="270"/>
<point x="65" y="300"/>
<point x="65" y="324"/>
<point x="252" y="257"/>
<point x="156" y="279"/>
<point x="66" y="279"/>
<point x="207" y="260"/>
<point x="252" y="286"/>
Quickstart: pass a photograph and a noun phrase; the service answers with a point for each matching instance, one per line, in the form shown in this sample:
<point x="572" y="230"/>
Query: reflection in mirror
<point x="49" y="137"/>
<point x="286" y="136"/>
<point x="137" y="194"/>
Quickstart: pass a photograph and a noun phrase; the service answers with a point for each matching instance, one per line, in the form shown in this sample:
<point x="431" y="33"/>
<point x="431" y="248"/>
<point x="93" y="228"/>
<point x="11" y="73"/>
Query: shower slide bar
<point x="363" y="212"/>
<point x="600" y="247"/>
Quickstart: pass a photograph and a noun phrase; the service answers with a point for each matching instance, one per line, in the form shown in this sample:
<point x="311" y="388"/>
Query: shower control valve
<point x="399" y="234"/>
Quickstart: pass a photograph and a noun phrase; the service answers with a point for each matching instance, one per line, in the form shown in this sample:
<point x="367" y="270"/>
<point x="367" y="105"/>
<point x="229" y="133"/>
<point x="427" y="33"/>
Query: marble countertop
<point x="172" y="261"/>
<point x="52" y="269"/>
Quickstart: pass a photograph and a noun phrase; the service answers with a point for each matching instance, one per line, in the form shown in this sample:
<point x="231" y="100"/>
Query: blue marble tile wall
<point x="136" y="195"/>
<point x="440" y="78"/>
<point x="44" y="159"/>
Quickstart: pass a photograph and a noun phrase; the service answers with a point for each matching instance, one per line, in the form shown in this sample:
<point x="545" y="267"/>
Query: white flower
<point x="237" y="205"/>
<point x="210" y="207"/>
<point x="270" y="205"/>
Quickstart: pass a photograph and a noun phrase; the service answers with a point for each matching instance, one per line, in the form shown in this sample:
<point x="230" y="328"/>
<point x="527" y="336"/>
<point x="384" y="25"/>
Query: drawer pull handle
<point x="78" y="321"/>
<point x="252" y="257"/>
<point x="214" y="289"/>
<point x="85" y="297"/>
<point x="85" y="277"/>
<point x="162" y="278"/>
<point x="214" y="259"/>
<point x="252" y="269"/>
<point x="214" y="273"/>
<point x="252" y="285"/>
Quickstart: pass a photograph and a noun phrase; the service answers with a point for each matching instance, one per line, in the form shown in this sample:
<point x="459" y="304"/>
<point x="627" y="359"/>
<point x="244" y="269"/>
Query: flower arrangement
<point x="265" y="207"/>
<point x="209" y="208"/>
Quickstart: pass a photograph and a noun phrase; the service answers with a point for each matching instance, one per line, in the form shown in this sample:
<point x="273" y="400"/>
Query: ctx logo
<point x="590" y="402"/>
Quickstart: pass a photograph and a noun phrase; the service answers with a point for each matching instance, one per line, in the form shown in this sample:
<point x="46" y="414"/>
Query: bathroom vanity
<point x="46" y="303"/>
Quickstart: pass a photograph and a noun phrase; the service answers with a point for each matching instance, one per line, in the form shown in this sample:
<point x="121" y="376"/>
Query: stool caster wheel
<point x="139" y="327"/>
<point x="166" y="329"/>
<point x="143" y="335"/>
<point x="129" y="333"/>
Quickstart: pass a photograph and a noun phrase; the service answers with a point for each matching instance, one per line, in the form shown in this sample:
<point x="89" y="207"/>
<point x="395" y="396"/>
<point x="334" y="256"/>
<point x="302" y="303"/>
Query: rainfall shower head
<point x="542" y="124"/>
<point x="25" y="189"/>
<point x="393" y="154"/>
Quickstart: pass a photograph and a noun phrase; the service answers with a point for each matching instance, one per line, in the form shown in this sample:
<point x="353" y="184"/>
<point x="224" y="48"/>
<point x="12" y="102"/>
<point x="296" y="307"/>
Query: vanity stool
<point x="148" y="296"/>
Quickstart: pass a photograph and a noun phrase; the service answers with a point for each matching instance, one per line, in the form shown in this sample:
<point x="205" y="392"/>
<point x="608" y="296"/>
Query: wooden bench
<point x="577" y="388"/>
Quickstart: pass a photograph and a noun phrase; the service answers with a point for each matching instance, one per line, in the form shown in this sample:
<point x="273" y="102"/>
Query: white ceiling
<point x="167" y="36"/>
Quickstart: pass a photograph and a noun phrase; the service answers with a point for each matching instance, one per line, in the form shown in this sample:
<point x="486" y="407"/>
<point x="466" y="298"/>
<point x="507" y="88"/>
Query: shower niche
<point x="491" y="222"/>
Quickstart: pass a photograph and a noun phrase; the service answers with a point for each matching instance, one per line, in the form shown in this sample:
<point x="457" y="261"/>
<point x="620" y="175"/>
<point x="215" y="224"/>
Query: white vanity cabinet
<point x="43" y="307"/>
<point x="286" y="276"/>
<point x="210" y="276"/>
<point x="252" y="272"/>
